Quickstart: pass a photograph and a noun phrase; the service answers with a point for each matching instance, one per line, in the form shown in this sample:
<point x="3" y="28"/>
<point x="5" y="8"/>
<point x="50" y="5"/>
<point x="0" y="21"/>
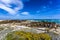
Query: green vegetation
<point x="1" y="28"/>
<point x="21" y="35"/>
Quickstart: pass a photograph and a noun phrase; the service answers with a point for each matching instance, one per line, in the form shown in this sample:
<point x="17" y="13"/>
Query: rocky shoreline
<point x="30" y="23"/>
<point x="39" y="27"/>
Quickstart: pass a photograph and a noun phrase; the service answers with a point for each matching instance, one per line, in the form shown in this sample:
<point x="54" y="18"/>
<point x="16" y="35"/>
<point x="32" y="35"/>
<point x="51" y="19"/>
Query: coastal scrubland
<point x="21" y="35"/>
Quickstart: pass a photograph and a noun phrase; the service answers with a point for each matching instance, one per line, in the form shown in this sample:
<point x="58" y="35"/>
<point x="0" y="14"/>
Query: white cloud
<point x="5" y="5"/>
<point x="11" y="11"/>
<point x="25" y="13"/>
<point x="6" y="1"/>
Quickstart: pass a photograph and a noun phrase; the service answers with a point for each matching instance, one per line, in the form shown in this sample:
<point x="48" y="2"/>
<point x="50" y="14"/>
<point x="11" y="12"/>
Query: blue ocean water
<point x="47" y="20"/>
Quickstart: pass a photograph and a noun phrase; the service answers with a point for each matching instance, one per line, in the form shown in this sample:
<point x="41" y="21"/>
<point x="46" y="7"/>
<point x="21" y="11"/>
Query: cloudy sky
<point x="29" y="9"/>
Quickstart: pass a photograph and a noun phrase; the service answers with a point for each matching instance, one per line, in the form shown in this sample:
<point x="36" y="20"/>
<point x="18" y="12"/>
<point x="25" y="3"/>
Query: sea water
<point x="47" y="20"/>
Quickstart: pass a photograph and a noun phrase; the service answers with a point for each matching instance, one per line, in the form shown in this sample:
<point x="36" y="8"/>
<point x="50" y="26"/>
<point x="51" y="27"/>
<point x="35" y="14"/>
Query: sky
<point x="29" y="9"/>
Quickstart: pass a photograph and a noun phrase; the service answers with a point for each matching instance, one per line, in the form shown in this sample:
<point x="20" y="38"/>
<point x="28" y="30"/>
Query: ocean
<point x="46" y="20"/>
